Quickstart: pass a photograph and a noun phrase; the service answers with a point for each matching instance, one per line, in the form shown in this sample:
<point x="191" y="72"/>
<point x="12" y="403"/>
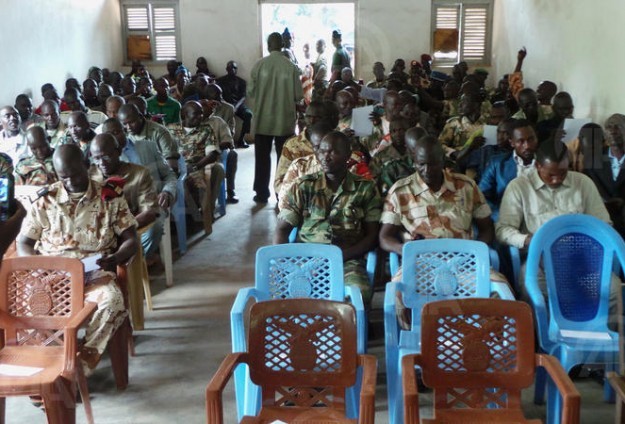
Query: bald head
<point x="10" y="119"/>
<point x="429" y="160"/>
<point x="70" y="167"/>
<point x="51" y="113"/>
<point x="37" y="141"/>
<point x="191" y="114"/>
<point x="392" y="104"/>
<point x="131" y="118"/>
<point x="412" y="136"/>
<point x="105" y="154"/>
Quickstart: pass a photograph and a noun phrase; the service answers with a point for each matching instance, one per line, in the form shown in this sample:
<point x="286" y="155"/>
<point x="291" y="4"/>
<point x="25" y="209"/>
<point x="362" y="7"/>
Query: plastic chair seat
<point x="297" y="415"/>
<point x="479" y="417"/>
<point x="50" y="358"/>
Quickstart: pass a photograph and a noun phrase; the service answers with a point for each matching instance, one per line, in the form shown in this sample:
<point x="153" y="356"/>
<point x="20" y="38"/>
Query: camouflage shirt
<point x="323" y="216"/>
<point x="32" y="171"/>
<point x="457" y="131"/>
<point x="389" y="166"/>
<point x="77" y="226"/>
<point x="295" y="147"/>
<point x="448" y="213"/>
<point x="6" y="164"/>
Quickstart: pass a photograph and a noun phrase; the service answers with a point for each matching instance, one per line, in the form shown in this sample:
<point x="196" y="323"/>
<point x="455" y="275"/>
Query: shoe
<point x="242" y="145"/>
<point x="232" y="199"/>
<point x="259" y="199"/>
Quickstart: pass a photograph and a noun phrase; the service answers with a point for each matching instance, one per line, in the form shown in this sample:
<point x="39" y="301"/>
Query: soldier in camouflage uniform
<point x="299" y="146"/>
<point x="55" y="128"/>
<point x="6" y="164"/>
<point x="458" y="129"/>
<point x="74" y="220"/>
<point x="37" y="169"/>
<point x="336" y="207"/>
<point x="394" y="162"/>
<point x="201" y="150"/>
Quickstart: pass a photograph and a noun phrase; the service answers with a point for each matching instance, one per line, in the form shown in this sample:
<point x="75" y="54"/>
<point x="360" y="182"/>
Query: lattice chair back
<point x="577" y="254"/>
<point x="443" y="269"/>
<point x="303" y="351"/>
<point x="42" y="293"/>
<point x="477" y="353"/>
<point x="297" y="270"/>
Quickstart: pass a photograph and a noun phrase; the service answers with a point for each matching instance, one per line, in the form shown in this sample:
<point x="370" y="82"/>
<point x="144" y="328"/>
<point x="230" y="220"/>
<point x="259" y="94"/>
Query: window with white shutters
<point x="461" y="30"/>
<point x="150" y="30"/>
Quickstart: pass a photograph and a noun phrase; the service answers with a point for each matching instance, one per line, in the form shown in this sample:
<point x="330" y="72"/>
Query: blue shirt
<point x="130" y="152"/>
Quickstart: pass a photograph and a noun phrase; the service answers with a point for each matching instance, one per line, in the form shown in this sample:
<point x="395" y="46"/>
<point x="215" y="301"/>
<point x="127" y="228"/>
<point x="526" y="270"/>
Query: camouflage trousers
<point x="105" y="321"/>
<point x="355" y="274"/>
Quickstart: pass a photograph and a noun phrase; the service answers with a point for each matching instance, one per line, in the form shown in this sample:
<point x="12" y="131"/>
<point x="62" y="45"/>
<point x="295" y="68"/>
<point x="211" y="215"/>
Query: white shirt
<point x="615" y="164"/>
<point x="521" y="168"/>
<point x="14" y="146"/>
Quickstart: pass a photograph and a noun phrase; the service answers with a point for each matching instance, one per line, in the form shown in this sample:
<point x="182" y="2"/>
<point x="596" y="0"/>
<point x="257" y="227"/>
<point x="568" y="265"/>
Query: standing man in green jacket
<point x="276" y="89"/>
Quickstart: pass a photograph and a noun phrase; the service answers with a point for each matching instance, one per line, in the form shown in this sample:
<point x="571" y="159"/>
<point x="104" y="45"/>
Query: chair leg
<point x="118" y="351"/>
<point x="81" y="380"/>
<point x="146" y="285"/>
<point x="539" y="386"/>
<point x="3" y="408"/>
<point x="166" y="255"/>
<point x="60" y="402"/>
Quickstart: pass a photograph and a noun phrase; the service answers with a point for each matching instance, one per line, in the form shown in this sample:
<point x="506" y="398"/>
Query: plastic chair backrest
<point x="42" y="292"/>
<point x="476" y="353"/>
<point x="300" y="270"/>
<point x="577" y="253"/>
<point x="441" y="269"/>
<point x="302" y="352"/>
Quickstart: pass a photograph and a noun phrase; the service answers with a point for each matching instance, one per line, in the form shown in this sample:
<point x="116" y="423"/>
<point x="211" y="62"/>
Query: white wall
<point x="229" y="30"/>
<point x="50" y="41"/>
<point x="578" y="45"/>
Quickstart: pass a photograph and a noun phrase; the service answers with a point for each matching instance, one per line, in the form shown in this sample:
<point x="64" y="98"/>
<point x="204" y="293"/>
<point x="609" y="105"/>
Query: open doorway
<point x="309" y="22"/>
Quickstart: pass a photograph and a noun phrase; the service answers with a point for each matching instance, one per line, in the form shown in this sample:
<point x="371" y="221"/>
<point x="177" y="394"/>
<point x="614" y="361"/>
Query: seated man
<point x="24" y="106"/>
<point x="55" y="128"/>
<point x="529" y="109"/>
<point x="138" y="185"/>
<point x="547" y="191"/>
<point x="504" y="168"/>
<point x="139" y="128"/>
<point x="394" y="162"/>
<point x="335" y="207"/>
<point x="74" y="100"/>
<point x="380" y="138"/>
<point x="200" y="147"/>
<point x="12" y="138"/>
<point x="459" y="128"/>
<point x="299" y="146"/>
<point x="234" y="88"/>
<point x="79" y="132"/>
<point x="163" y="104"/>
<point x="145" y="153"/>
<point x="562" y="109"/>
<point x="74" y="220"/>
<point x="37" y="169"/>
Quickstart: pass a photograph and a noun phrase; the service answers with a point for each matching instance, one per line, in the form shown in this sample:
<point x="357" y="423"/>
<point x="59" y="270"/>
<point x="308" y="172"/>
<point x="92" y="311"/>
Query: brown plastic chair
<point x="617" y="381"/>
<point x="302" y="353"/>
<point x="41" y="308"/>
<point x="477" y="355"/>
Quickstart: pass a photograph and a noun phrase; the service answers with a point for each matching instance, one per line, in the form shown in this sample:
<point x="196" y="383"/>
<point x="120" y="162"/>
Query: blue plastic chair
<point x="436" y="269"/>
<point x="577" y="253"/>
<point x="178" y="210"/>
<point x="293" y="271"/>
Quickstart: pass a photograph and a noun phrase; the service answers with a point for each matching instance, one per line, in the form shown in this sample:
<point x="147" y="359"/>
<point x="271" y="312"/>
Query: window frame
<point x="463" y="5"/>
<point x="151" y="31"/>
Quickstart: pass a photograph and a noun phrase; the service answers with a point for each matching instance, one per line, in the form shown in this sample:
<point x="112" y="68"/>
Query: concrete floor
<point x="188" y="333"/>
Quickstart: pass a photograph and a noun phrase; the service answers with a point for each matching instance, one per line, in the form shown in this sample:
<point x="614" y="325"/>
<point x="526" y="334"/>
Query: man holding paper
<point x="78" y="218"/>
<point x="562" y="110"/>
<point x="504" y="168"/>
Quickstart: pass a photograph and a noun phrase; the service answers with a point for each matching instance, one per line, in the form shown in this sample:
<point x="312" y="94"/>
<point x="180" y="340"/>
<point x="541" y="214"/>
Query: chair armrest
<point x="372" y="259"/>
<point x="214" y="406"/>
<point x="369" y="364"/>
<point x="494" y="258"/>
<point x="618" y="384"/>
<point x="411" y="390"/>
<point x="355" y="297"/>
<point x="502" y="289"/>
<point x="393" y="262"/>
<point x="537" y="302"/>
<point x="70" y="336"/>
<point x="239" y="344"/>
<point x="571" y="399"/>
<point x="515" y="259"/>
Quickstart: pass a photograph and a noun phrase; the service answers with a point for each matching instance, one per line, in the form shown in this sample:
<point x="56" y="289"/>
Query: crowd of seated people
<point x="426" y="170"/>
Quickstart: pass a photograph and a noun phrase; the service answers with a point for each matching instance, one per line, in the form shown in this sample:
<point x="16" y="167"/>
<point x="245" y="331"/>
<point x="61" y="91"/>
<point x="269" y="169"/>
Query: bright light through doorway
<point x="309" y="22"/>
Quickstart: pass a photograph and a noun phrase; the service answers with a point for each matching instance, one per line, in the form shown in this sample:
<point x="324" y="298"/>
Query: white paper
<point x="27" y="193"/>
<point x="361" y="124"/>
<point x="572" y="127"/>
<point x="277" y="422"/>
<point x="18" y="370"/>
<point x="90" y="262"/>
<point x="593" y="335"/>
<point x="490" y="134"/>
